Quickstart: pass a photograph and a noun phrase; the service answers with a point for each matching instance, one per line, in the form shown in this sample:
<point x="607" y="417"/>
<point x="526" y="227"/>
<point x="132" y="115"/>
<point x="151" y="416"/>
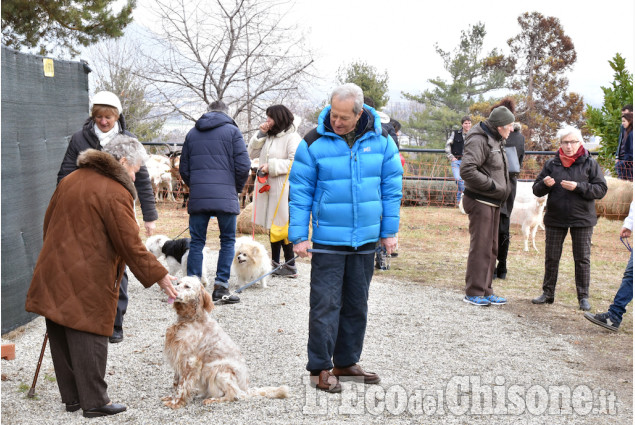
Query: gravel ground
<point x="441" y="361"/>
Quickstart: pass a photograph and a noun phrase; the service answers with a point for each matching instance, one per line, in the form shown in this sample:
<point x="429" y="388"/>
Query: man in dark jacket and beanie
<point x="215" y="165"/>
<point x="487" y="185"/>
<point x="107" y="121"/>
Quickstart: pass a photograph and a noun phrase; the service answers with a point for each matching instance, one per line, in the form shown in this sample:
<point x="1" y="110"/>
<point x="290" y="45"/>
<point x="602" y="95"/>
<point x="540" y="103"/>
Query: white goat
<point x="529" y="215"/>
<point x="160" y="175"/>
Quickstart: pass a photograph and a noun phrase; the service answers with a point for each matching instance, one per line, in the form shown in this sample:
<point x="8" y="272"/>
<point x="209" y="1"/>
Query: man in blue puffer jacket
<point x="215" y="165"/>
<point x="346" y="179"/>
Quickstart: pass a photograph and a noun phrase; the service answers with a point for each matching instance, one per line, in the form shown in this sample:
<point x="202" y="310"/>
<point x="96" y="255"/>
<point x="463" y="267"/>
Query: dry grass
<point x="433" y="247"/>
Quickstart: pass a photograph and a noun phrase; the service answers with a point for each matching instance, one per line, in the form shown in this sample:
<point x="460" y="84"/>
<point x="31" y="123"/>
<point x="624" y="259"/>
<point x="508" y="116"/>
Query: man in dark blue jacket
<point x="215" y="165"/>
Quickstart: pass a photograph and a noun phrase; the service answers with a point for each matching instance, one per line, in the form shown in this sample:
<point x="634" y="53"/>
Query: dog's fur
<point x="246" y="196"/>
<point x="206" y="362"/>
<point x="155" y="243"/>
<point x="251" y="261"/>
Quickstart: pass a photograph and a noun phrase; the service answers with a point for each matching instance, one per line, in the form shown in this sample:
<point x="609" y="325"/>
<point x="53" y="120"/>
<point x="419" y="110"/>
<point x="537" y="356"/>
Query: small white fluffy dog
<point x="206" y="362"/>
<point x="251" y="261"/>
<point x="163" y="246"/>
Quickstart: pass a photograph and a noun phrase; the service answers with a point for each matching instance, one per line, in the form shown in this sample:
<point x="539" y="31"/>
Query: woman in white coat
<point x="275" y="145"/>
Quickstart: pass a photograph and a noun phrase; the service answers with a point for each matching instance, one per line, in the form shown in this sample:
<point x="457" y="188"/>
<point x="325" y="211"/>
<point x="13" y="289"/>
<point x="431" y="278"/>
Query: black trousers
<point x="286" y="248"/>
<point x="79" y="359"/>
<point x="122" y="303"/>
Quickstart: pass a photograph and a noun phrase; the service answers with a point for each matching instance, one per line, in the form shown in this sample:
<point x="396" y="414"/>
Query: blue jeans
<point x="456" y="165"/>
<point x="198" y="232"/>
<point x="339" y="306"/>
<point x="624" y="294"/>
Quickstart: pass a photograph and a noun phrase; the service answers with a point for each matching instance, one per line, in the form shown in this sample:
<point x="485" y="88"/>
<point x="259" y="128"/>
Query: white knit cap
<point x="107" y="98"/>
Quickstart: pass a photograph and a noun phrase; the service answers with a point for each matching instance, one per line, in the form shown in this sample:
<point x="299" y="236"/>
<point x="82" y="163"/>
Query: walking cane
<point x="31" y="393"/>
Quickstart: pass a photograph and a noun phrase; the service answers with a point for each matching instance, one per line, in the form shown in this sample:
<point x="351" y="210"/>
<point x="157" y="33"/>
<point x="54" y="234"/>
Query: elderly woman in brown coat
<point x="90" y="234"/>
<point x="275" y="145"/>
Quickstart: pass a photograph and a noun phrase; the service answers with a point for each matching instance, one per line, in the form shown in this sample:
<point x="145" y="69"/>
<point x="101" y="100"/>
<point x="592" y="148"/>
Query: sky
<point x="398" y="36"/>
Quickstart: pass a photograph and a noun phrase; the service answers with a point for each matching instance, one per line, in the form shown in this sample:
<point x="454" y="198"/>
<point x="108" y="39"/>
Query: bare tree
<point x="238" y="51"/>
<point x="117" y="66"/>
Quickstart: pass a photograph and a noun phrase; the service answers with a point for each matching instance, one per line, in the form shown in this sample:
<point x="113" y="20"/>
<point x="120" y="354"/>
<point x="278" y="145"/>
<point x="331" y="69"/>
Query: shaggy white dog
<point x="206" y="362"/>
<point x="251" y="261"/>
<point x="176" y="252"/>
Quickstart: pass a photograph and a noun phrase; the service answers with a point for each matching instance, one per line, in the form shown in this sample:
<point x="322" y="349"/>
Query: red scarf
<point x="568" y="160"/>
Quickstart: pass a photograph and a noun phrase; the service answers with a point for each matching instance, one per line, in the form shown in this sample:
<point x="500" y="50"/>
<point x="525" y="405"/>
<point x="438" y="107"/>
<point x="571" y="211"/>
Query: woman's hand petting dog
<point x="166" y="286"/>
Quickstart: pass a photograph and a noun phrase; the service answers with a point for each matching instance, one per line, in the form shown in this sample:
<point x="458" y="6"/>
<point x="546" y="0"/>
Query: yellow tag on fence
<point x="49" y="68"/>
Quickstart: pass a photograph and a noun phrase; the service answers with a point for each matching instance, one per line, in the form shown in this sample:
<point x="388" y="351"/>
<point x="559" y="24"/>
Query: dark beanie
<point x="500" y="117"/>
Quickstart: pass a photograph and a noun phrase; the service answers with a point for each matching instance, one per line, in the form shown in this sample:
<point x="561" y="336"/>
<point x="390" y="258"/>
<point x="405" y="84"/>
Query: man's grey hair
<point x="567" y="130"/>
<point x="350" y="91"/>
<point x="123" y="146"/>
<point x="218" y="106"/>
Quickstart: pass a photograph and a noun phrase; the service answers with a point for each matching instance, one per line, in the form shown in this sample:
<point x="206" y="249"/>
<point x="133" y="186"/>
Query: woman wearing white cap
<point x="104" y="123"/>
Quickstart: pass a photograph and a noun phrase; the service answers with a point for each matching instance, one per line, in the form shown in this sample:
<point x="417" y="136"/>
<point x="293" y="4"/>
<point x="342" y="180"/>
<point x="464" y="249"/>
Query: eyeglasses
<point x="569" y="142"/>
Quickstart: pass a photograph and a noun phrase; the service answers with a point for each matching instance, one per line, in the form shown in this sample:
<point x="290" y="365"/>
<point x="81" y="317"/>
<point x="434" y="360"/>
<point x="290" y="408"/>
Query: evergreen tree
<point x="472" y="75"/>
<point x="373" y="84"/>
<point x="605" y="122"/>
<point x="49" y="24"/>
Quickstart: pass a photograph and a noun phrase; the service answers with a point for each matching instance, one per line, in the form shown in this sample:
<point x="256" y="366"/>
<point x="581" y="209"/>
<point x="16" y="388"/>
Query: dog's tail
<point x="270" y="392"/>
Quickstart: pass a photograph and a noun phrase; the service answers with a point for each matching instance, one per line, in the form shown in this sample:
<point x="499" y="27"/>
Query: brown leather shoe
<point x="356" y="370"/>
<point x="326" y="381"/>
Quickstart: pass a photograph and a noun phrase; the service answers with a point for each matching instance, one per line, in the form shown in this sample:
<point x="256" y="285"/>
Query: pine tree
<point x="605" y="121"/>
<point x="372" y="83"/>
<point x="472" y="75"/>
<point x="47" y="25"/>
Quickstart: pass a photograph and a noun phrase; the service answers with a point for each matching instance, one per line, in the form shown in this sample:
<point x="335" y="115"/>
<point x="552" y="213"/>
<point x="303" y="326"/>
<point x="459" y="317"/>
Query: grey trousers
<point x="481" y="259"/>
<point x="79" y="359"/>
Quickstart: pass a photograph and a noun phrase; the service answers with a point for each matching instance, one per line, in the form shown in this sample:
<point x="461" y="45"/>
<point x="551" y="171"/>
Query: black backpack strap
<point x="311" y="137"/>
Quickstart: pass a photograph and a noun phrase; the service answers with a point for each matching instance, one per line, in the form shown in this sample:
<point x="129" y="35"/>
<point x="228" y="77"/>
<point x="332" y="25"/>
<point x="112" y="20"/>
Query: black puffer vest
<point x="457" y="144"/>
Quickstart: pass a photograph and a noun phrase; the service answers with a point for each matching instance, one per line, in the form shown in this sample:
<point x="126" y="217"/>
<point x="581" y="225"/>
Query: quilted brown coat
<point x="90" y="233"/>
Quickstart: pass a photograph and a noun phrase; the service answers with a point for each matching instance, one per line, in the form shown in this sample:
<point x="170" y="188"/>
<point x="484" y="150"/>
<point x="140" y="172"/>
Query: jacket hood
<point x="292" y="129"/>
<point x="369" y="121"/>
<point x="490" y="130"/>
<point x="211" y="120"/>
<point x="106" y="164"/>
